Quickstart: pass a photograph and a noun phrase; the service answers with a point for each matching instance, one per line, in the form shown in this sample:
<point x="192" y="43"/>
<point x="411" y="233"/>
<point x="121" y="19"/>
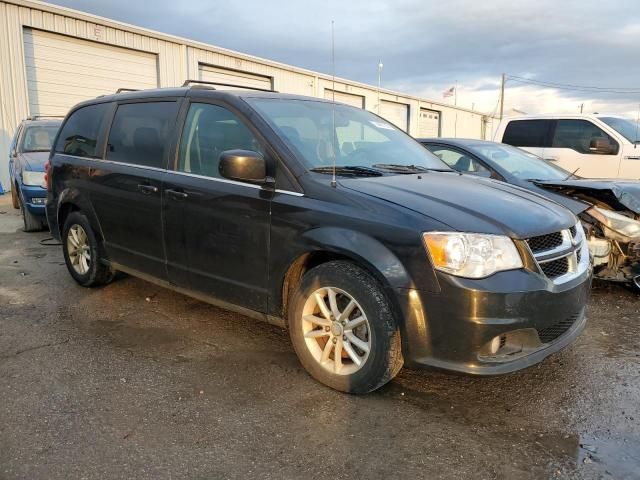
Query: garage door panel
<point x="209" y="73"/>
<point x="396" y="113"/>
<point x="49" y="43"/>
<point x="429" y="123"/>
<point x="96" y="77"/>
<point x="107" y="66"/>
<point x="63" y="71"/>
<point x="343" y="97"/>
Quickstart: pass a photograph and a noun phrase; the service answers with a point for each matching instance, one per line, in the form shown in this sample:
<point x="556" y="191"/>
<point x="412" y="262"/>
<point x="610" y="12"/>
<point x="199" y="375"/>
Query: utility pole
<point x="502" y="98"/>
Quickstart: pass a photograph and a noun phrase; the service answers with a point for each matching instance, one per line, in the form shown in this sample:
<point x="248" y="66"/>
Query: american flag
<point x="449" y="92"/>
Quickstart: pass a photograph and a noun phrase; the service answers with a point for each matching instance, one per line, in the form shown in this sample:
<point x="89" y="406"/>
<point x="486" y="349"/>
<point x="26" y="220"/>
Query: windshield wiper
<point x="572" y="173"/>
<point x="350" y="170"/>
<point x="397" y="167"/>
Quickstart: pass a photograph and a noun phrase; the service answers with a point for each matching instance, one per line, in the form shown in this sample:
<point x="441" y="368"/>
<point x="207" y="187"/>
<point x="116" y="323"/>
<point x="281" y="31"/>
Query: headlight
<point x="33" y="178"/>
<point x="620" y="226"/>
<point x="472" y="255"/>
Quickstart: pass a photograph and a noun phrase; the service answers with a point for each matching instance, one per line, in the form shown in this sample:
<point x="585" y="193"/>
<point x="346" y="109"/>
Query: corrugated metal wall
<point x="178" y="59"/>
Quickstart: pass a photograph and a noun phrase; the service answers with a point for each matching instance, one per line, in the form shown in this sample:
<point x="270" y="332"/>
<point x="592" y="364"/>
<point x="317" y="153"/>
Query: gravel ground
<point x="134" y="381"/>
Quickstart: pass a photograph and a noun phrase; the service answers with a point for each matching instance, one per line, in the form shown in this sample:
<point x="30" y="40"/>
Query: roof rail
<point x="37" y="117"/>
<point x="205" y="84"/>
<point x="120" y="90"/>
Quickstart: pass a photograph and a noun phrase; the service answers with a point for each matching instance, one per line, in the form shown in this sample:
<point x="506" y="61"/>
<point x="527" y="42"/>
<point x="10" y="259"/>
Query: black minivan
<point x="323" y="218"/>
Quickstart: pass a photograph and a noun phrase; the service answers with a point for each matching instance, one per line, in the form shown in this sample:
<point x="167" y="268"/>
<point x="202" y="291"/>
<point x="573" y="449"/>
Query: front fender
<point x="362" y="248"/>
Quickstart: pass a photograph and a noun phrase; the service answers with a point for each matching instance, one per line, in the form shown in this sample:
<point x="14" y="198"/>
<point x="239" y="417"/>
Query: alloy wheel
<point x="336" y="330"/>
<point x="78" y="249"/>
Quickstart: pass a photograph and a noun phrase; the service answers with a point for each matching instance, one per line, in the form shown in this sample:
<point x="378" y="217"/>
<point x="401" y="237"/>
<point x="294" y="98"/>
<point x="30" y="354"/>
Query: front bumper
<point x="33" y="199"/>
<point x="530" y="316"/>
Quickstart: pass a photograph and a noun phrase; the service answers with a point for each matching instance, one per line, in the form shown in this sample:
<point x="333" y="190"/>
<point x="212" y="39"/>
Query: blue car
<point x="29" y="152"/>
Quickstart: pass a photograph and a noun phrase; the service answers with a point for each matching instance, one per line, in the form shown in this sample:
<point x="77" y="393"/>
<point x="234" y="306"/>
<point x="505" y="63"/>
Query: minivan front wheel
<point x="343" y="330"/>
<point x="83" y="253"/>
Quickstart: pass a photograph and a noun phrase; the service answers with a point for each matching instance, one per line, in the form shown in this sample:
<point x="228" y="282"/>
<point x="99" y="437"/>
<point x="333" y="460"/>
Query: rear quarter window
<point x="527" y="133"/>
<point x="80" y="134"/>
<point x="141" y="132"/>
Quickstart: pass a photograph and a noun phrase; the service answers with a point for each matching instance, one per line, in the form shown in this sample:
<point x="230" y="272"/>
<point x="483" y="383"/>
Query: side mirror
<point x="601" y="146"/>
<point x="244" y="166"/>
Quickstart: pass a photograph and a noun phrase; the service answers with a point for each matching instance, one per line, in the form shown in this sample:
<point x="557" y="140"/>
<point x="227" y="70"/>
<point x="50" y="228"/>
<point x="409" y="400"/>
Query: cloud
<point x="426" y="45"/>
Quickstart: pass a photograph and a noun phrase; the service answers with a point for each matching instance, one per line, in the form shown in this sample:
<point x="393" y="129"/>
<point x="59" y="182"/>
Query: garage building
<point x="54" y="57"/>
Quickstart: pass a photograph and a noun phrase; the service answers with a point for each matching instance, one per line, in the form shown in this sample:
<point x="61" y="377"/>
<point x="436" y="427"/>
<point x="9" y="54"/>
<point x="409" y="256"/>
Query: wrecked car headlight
<point x="471" y="255"/>
<point x="618" y="226"/>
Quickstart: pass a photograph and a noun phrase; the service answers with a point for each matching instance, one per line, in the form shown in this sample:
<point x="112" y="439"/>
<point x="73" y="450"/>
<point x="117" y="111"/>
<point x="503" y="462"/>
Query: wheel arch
<point x="70" y="200"/>
<point x="329" y="244"/>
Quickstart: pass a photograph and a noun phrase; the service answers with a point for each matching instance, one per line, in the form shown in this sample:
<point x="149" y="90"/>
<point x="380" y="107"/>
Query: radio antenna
<point x="333" y="104"/>
<point x="635" y="143"/>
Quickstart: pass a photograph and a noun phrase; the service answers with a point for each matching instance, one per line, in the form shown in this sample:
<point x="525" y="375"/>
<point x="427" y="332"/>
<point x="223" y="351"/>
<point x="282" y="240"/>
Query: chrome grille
<point x="555" y="268"/>
<point x="559" y="255"/>
<point x="545" y="242"/>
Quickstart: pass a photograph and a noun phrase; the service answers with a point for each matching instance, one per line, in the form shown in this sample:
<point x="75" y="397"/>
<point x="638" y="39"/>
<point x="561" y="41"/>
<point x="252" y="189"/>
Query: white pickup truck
<point x="594" y="146"/>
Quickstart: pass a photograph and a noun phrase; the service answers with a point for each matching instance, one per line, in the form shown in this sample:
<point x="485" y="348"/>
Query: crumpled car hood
<point x="619" y="194"/>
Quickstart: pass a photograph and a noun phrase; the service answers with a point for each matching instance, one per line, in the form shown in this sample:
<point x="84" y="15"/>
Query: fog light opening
<point x="494" y="346"/>
<point x="497" y="343"/>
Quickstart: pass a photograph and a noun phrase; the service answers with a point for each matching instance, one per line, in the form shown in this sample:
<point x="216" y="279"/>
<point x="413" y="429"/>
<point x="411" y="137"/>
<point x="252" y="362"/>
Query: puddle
<point x="617" y="457"/>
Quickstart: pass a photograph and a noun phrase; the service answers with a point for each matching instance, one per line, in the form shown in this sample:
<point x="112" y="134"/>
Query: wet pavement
<point x="135" y="381"/>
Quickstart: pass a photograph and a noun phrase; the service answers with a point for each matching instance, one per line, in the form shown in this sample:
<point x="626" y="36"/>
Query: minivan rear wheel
<point x="83" y="253"/>
<point x="343" y="330"/>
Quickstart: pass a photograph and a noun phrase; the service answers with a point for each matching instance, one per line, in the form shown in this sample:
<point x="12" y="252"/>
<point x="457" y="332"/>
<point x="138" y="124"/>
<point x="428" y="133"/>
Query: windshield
<point x="38" y="138"/>
<point x="321" y="132"/>
<point x="624" y="127"/>
<point x="522" y="165"/>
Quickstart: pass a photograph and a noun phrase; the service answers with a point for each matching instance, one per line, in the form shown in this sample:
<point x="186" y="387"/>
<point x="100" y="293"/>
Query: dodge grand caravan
<point x="389" y="258"/>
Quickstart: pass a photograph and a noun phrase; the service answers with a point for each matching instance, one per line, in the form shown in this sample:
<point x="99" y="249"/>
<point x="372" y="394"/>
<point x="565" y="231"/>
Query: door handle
<point x="147" y="189"/>
<point x="176" y="194"/>
<point x="551" y="159"/>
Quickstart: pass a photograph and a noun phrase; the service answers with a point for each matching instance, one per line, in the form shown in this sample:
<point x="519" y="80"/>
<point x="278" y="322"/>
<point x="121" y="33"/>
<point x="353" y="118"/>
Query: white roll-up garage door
<point x="428" y="123"/>
<point x="342" y="97"/>
<point x="396" y="113"/>
<point x="62" y="71"/>
<point x="213" y="74"/>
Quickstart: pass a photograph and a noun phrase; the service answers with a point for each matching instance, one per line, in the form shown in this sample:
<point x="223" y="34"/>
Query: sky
<point x="427" y="46"/>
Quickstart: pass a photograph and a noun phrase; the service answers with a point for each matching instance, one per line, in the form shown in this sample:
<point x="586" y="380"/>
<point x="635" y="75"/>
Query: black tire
<point x="31" y="222"/>
<point x="98" y="273"/>
<point x="384" y="359"/>
<point x="15" y="200"/>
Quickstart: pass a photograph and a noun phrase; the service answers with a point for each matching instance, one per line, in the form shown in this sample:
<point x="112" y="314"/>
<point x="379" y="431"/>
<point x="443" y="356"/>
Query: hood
<point x="469" y="204"/>
<point x="618" y="194"/>
<point x="34" y="161"/>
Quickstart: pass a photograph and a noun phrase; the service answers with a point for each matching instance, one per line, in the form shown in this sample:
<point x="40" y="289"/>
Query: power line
<point x="568" y="86"/>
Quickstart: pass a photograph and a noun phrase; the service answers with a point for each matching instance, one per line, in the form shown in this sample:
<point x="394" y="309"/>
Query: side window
<point x="578" y="135"/>
<point x="140" y="133"/>
<point x="457" y="160"/>
<point x="208" y="131"/>
<point x="80" y="133"/>
<point x="527" y="133"/>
